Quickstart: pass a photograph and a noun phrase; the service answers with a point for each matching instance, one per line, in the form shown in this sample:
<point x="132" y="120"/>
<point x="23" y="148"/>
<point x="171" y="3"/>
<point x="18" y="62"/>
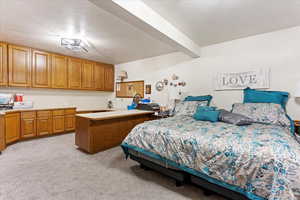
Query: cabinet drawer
<point x="28" y="115"/>
<point x="43" y="114"/>
<point x="70" y="111"/>
<point x="58" y="112"/>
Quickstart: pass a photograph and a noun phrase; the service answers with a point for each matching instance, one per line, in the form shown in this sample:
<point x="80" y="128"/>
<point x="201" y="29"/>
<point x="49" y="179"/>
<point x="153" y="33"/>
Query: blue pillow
<point x="212" y="116"/>
<point x="205" y="108"/>
<point x="257" y="96"/>
<point x="207" y="98"/>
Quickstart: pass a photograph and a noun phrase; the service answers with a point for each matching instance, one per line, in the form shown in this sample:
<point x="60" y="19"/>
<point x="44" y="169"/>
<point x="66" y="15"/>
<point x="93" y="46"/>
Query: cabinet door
<point x="19" y="66"/>
<point x="12" y="127"/>
<point x="59" y="73"/>
<point x="58" y="124"/>
<point x="74" y="73"/>
<point x="87" y="81"/>
<point x="28" y="128"/>
<point x="69" y="123"/>
<point x="41" y="69"/>
<point x="109" y="78"/>
<point x="44" y="126"/>
<point x="99" y="76"/>
<point x="3" y="64"/>
<point x="2" y="133"/>
<point x="44" y="122"/>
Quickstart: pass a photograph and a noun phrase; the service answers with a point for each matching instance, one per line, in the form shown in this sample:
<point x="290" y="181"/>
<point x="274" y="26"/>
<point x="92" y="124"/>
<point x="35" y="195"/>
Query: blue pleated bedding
<point x="258" y="161"/>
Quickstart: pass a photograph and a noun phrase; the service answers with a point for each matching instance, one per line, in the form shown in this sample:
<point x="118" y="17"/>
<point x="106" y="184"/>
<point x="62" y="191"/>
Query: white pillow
<point x="188" y="107"/>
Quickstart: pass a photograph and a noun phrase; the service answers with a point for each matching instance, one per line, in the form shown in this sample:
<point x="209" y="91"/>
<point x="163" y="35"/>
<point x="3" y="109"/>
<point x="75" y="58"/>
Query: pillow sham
<point x="258" y="96"/>
<point x="266" y="113"/>
<point x="188" y="107"/>
<point x="234" y="118"/>
<point x="207" y="98"/>
<point x="210" y="115"/>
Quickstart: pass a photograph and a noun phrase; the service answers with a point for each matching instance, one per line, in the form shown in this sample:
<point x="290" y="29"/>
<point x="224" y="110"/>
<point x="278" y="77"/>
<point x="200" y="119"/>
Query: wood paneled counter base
<point x="100" y="131"/>
<point x="17" y="125"/>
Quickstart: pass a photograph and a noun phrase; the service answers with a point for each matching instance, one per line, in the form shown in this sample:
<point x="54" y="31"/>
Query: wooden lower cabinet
<point x="44" y="123"/>
<point x="58" y="124"/>
<point x="2" y="133"/>
<point x="70" y="119"/>
<point x="21" y="125"/>
<point x="28" y="128"/>
<point x="12" y="127"/>
<point x="95" y="135"/>
<point x="28" y="124"/>
<point x="69" y="122"/>
<point x="44" y="126"/>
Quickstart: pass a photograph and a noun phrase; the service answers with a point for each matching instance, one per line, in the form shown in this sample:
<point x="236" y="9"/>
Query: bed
<point x="258" y="161"/>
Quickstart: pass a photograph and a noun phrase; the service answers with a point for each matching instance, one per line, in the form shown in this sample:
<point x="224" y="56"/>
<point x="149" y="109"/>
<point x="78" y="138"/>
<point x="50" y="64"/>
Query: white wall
<point x="56" y="98"/>
<point x="279" y="51"/>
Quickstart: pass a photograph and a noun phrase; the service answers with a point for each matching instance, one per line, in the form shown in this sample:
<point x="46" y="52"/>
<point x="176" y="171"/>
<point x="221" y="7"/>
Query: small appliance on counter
<point x="23" y="105"/>
<point x="20" y="103"/>
<point x="19" y="97"/>
<point x="6" y="101"/>
<point x="11" y="101"/>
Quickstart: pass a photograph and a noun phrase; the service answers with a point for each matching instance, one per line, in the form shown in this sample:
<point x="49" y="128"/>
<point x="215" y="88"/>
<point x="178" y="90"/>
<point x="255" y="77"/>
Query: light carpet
<point x="54" y="169"/>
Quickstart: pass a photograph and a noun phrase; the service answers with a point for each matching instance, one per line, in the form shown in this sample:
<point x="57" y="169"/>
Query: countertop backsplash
<point x="51" y="98"/>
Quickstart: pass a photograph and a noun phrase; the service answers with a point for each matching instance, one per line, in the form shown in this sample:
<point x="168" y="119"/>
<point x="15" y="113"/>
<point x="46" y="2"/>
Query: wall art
<point x="257" y="79"/>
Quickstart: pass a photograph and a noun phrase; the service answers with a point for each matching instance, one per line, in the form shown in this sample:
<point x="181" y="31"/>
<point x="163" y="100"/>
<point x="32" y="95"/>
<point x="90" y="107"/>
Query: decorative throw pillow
<point x="267" y="113"/>
<point x="205" y="108"/>
<point x="209" y="115"/>
<point x="259" y="96"/>
<point x="234" y="118"/>
<point x="188" y="107"/>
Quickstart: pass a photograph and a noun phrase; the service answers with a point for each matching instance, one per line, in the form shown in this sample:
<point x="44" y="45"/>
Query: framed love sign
<point x="259" y="79"/>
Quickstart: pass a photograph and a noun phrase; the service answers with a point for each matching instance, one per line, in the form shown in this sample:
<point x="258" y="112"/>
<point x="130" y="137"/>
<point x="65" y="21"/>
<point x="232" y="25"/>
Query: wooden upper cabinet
<point x="99" y="76"/>
<point x="25" y="67"/>
<point x="41" y="69"/>
<point x="87" y="77"/>
<point x="59" y="65"/>
<point x="3" y="64"/>
<point x="109" y="78"/>
<point x="19" y="66"/>
<point x="74" y="73"/>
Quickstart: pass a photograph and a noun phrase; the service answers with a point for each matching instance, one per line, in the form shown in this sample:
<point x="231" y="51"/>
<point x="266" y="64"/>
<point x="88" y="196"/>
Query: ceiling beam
<point x="138" y="14"/>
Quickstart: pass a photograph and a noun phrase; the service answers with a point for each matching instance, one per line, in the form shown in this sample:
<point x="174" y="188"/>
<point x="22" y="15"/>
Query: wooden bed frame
<point x="182" y="178"/>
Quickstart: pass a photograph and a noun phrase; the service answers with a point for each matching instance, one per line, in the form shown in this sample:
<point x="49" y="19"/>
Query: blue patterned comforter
<point x="259" y="161"/>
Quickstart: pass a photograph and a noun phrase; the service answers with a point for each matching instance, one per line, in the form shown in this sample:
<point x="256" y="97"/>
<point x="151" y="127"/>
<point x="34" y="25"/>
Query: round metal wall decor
<point x="159" y="86"/>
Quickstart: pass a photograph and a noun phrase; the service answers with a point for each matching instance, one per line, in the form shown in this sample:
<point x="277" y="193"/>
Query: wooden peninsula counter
<point x="96" y="132"/>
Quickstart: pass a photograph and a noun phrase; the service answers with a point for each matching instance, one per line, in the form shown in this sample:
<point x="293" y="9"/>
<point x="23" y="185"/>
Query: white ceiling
<point x="41" y="23"/>
<point x="213" y="21"/>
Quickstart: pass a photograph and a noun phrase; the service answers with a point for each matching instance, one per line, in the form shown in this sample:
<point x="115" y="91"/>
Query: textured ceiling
<point x="213" y="21"/>
<point x="41" y="23"/>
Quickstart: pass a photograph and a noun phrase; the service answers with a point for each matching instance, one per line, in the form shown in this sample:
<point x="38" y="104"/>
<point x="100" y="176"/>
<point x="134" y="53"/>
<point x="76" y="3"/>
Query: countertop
<point x="95" y="110"/>
<point x="113" y="114"/>
<point x="3" y="112"/>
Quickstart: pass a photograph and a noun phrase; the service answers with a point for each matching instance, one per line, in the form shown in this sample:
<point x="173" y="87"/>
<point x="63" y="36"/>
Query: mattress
<point x="258" y="161"/>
